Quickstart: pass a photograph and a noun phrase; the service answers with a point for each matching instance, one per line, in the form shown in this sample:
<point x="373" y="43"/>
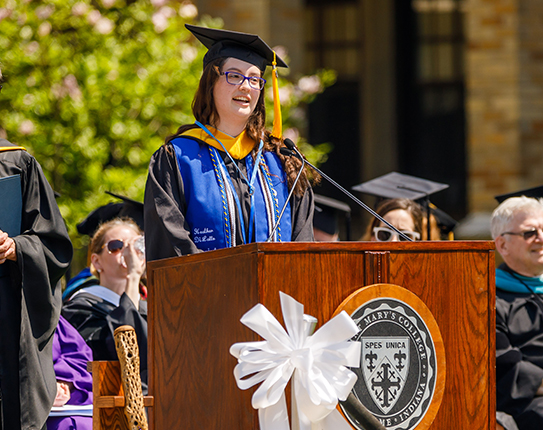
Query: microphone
<point x="287" y="200"/>
<point x="292" y="151"/>
<point x="359" y="412"/>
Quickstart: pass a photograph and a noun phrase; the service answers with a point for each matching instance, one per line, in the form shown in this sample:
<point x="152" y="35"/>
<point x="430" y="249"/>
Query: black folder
<point x="11" y="207"/>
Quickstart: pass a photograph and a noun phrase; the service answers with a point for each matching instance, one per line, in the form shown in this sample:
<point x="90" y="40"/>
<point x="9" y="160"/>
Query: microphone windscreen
<point x="287" y="152"/>
<point x="289" y="143"/>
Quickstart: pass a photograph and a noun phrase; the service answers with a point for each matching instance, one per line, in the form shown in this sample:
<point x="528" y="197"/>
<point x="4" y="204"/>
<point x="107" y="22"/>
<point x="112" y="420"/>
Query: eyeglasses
<point x="114" y="246"/>
<point x="526" y="235"/>
<point x="235" y="78"/>
<point x="385" y="234"/>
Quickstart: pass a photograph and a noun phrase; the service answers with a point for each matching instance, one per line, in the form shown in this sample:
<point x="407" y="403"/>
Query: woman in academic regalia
<point x="97" y="310"/>
<point x="222" y="181"/>
<point x="35" y="252"/>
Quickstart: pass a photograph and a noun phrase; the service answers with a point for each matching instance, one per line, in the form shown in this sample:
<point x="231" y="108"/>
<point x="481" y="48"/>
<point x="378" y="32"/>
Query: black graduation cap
<point x="128" y="208"/>
<point x="445" y="222"/>
<point x="536" y="192"/>
<point x="243" y="46"/>
<point x="396" y="185"/>
<point x="327" y="212"/>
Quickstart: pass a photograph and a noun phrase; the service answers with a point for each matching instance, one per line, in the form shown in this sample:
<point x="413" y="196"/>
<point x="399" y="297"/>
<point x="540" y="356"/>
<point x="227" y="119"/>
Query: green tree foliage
<point x="92" y="89"/>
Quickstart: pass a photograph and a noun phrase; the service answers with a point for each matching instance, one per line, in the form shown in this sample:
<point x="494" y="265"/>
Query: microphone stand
<point x="357" y="410"/>
<point x="293" y="151"/>
<point x="286" y="201"/>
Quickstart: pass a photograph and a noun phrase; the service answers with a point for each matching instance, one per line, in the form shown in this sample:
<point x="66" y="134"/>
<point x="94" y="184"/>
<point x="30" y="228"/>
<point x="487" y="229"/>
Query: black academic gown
<point x="96" y="320"/>
<point x="519" y="356"/>
<point x="30" y="298"/>
<point x="167" y="233"/>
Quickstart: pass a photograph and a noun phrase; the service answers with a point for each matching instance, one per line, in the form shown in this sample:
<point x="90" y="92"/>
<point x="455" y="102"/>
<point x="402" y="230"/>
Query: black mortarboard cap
<point x="128" y="208"/>
<point x="536" y="192"/>
<point x="445" y="222"/>
<point x="327" y="212"/>
<point x="243" y="46"/>
<point x="396" y="185"/>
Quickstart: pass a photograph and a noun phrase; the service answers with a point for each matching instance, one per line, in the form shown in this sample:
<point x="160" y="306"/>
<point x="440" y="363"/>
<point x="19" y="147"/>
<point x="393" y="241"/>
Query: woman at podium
<point x="222" y="181"/>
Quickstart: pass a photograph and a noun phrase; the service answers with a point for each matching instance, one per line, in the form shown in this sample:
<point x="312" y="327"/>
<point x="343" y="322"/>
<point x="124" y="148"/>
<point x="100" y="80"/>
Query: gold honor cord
<point x="11" y="148"/>
<point x="277" y="120"/>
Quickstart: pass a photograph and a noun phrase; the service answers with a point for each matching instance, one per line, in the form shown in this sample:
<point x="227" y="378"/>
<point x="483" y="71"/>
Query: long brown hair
<point x="204" y="111"/>
<point x="388" y="205"/>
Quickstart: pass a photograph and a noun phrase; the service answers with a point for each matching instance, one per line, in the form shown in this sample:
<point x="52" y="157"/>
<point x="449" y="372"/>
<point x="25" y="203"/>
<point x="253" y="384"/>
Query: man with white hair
<point x="517" y="229"/>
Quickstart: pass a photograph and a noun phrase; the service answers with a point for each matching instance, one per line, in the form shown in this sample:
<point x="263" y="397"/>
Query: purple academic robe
<point x="70" y="356"/>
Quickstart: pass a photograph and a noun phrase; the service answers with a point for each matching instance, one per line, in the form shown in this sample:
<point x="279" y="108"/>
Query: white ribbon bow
<point x="318" y="362"/>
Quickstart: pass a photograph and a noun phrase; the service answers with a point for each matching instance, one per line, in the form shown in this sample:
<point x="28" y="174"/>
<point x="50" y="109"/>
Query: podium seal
<point x="401" y="377"/>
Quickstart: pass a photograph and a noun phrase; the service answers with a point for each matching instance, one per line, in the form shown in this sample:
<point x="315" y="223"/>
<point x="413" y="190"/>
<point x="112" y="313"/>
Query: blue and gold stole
<point x="213" y="208"/>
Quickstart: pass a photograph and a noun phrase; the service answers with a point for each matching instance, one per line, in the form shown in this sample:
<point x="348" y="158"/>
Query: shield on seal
<point x="385" y="366"/>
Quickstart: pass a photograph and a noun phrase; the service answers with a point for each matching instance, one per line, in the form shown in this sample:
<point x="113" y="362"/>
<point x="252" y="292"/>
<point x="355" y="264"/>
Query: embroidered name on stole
<point x="210" y="215"/>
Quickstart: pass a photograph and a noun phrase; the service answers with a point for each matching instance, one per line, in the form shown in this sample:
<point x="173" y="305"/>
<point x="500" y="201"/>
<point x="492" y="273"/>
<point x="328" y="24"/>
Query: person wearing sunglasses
<point x="117" y="260"/>
<point x="222" y="181"/>
<point x="404" y="214"/>
<point x="517" y="230"/>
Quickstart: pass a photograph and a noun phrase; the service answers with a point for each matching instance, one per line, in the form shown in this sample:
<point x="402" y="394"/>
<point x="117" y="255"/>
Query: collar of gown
<point x="102" y="292"/>
<point x="238" y="147"/>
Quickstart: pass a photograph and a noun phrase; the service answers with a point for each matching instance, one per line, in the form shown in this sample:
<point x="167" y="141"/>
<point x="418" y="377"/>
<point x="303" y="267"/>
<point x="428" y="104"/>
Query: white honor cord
<point x="286" y="202"/>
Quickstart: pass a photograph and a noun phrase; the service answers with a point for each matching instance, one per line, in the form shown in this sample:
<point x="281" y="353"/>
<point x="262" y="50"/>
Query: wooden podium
<point x="196" y="302"/>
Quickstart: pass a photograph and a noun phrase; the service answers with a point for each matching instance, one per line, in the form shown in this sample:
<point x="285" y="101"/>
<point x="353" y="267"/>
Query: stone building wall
<point x="278" y="22"/>
<point x="531" y="91"/>
<point x="504" y="98"/>
<point x="492" y="101"/>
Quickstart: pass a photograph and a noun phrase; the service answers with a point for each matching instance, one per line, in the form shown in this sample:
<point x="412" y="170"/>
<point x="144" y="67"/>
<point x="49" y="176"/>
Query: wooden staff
<point x="129" y="358"/>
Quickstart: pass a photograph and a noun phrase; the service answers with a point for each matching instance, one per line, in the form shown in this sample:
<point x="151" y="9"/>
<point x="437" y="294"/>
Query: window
<point x="440" y="54"/>
<point x="332" y="41"/>
<point x="431" y="96"/>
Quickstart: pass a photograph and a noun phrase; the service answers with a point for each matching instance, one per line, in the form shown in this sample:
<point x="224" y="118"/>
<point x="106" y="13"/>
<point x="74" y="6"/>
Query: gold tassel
<point x="277" y="120"/>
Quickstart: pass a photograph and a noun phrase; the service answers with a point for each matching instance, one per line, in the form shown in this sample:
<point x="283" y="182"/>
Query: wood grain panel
<point x="320" y="281"/>
<point x="195" y="303"/>
<point x="106" y="381"/>
<point x="377" y="266"/>
<point x="194" y="319"/>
